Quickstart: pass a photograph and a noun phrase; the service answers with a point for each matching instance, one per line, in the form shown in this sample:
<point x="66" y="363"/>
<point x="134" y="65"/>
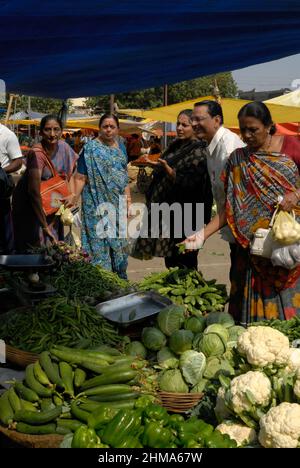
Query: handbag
<point x="53" y="189"/>
<point x="263" y="242"/>
<point x="6" y="184"/>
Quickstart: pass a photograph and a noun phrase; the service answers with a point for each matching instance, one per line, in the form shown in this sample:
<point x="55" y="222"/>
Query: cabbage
<point x="218" y="330"/>
<point x="212" y="344"/>
<point x="235" y="332"/>
<point x="196" y="341"/>
<point x="170" y="319"/>
<point x="167" y="359"/>
<point x="201" y="386"/>
<point x="195" y="324"/>
<point x="192" y="365"/>
<point x="216" y="366"/>
<point x="180" y="341"/>
<point x="172" y="381"/>
<point x="153" y="338"/>
<point x="136" y="348"/>
<point x="220" y="317"/>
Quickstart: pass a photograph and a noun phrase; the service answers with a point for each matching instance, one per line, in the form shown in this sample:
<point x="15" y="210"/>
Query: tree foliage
<point x="153" y="97"/>
<point x="38" y="104"/>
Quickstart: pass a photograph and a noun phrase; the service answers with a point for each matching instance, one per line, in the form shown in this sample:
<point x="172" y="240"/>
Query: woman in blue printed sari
<point x="103" y="181"/>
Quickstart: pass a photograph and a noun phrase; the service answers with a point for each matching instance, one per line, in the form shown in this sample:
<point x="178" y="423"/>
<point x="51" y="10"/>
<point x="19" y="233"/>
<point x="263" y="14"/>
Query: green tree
<point x="153" y="97"/>
<point x="43" y="105"/>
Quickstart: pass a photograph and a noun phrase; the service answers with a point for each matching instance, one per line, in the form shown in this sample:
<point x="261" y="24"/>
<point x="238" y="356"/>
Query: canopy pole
<point x="29" y="111"/>
<point x="111" y="103"/>
<point x="165" y="137"/>
<point x="10" y="103"/>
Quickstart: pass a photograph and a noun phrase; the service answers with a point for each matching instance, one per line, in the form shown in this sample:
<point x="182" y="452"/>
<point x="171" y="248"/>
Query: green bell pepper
<point x="157" y="436"/>
<point x="193" y="429"/>
<point x="155" y="413"/>
<point x="144" y="401"/>
<point x="101" y="416"/>
<point x="130" y="442"/>
<point x="219" y="440"/>
<point x="84" y="437"/>
<point x="126" y="423"/>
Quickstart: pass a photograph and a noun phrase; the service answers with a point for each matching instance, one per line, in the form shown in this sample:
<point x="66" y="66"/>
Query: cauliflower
<point x="297" y="389"/>
<point x="293" y="363"/>
<point x="243" y="435"/>
<point x="280" y="427"/>
<point x="257" y="384"/>
<point x="221" y="410"/>
<point x="264" y="346"/>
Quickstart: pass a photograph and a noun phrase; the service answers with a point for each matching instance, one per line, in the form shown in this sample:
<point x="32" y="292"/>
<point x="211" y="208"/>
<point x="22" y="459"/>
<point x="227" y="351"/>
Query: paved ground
<point x="214" y="259"/>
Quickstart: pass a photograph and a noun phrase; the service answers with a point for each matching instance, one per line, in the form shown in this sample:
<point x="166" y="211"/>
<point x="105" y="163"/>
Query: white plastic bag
<point x="287" y="256"/>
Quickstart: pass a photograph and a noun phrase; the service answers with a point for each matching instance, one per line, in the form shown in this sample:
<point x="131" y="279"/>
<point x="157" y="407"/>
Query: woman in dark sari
<point x="179" y="176"/>
<point x="254" y="178"/>
<point x="31" y="226"/>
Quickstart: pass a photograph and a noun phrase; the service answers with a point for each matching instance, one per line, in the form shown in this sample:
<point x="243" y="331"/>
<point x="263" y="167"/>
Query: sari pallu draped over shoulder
<point x="253" y="182"/>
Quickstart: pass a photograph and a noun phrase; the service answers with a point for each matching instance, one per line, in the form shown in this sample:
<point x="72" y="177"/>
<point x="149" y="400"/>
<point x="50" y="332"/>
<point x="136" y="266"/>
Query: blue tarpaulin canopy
<point x="67" y="48"/>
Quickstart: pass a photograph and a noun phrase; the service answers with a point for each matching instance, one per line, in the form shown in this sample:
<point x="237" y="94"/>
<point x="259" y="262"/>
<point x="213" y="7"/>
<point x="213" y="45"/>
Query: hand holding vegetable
<point x="194" y="242"/>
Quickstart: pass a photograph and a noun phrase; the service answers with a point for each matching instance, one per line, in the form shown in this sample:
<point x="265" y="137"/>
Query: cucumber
<point x="71" y="424"/>
<point x="50" y="369"/>
<point x="26" y="393"/>
<point x="117" y="397"/>
<point x="6" y="411"/>
<point x="79" y="377"/>
<point x="37" y="418"/>
<point x="42" y="429"/>
<point x="62" y="430"/>
<point x="92" y="404"/>
<point x="40" y="375"/>
<point x="66" y="373"/>
<point x="47" y="404"/>
<point x="27" y="405"/>
<point x="80" y="355"/>
<point x="115" y="376"/>
<point x="79" y="413"/>
<point x="34" y="384"/>
<point x="108" y="390"/>
<point x="14" y="400"/>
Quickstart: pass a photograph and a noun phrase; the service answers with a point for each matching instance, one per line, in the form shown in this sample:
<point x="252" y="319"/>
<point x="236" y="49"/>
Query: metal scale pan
<point x="133" y="308"/>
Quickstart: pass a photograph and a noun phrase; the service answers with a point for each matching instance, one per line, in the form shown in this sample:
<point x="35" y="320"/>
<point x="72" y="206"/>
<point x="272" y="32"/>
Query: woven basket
<point x="19" y="357"/>
<point x="179" y="402"/>
<point x="33" y="441"/>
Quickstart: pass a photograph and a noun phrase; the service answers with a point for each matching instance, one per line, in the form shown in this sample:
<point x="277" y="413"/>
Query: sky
<point x="270" y="75"/>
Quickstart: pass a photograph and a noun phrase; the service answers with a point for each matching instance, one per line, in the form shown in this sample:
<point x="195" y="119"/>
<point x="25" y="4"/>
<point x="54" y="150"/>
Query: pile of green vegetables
<point x="84" y="280"/>
<point x="190" y="352"/>
<point x="188" y="288"/>
<point x="57" y="320"/>
<point x="95" y="398"/>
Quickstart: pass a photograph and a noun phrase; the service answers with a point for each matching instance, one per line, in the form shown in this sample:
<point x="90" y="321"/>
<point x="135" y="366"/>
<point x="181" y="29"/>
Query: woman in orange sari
<point x="254" y="178"/>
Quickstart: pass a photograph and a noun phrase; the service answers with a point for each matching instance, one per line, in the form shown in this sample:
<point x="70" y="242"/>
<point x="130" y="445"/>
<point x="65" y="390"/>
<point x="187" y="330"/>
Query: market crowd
<point x="206" y="162"/>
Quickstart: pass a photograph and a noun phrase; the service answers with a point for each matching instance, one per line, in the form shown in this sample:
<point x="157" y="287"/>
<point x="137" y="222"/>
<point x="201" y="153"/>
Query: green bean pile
<point x="80" y="279"/>
<point x="57" y="321"/>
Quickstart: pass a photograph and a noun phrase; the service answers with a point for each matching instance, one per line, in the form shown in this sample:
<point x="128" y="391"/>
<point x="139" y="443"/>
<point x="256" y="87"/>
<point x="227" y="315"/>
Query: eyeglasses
<point x="198" y="119"/>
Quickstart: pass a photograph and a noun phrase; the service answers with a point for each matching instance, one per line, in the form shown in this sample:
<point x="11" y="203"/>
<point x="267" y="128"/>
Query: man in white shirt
<point x="207" y="122"/>
<point x="10" y="161"/>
